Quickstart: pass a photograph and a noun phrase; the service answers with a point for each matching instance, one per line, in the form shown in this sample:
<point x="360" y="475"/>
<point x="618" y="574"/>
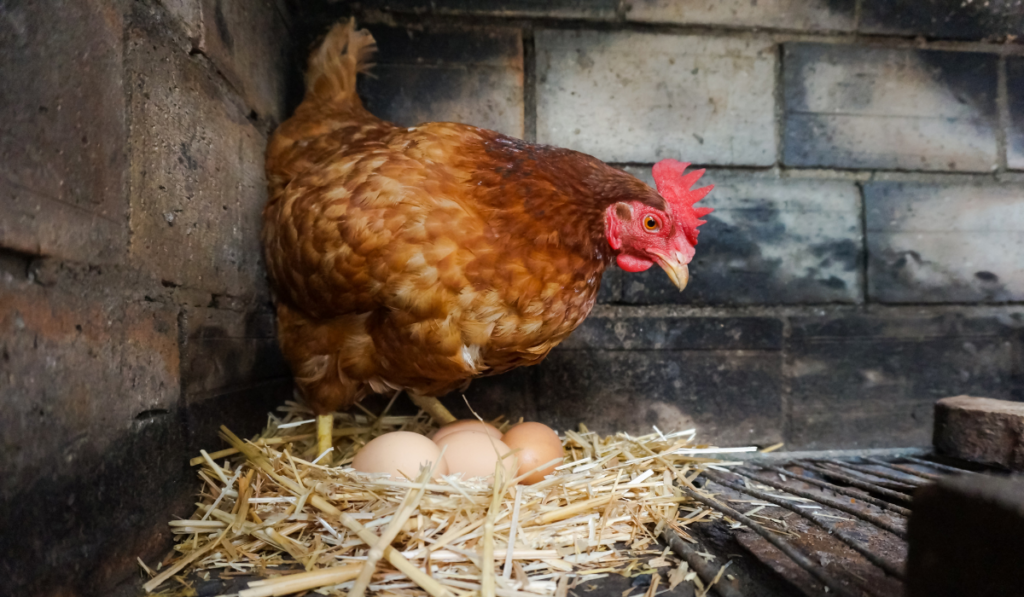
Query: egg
<point x="538" y="444"/>
<point x="466" y="425"/>
<point x="399" y="454"/>
<point x="475" y="454"/>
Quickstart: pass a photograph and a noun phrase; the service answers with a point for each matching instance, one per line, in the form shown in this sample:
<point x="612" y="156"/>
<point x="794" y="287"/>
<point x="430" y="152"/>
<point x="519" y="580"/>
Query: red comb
<point x="674" y="185"/>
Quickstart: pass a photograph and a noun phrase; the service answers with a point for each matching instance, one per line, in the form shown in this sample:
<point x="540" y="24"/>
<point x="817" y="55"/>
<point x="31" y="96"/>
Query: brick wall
<point x="134" y="312"/>
<point x="866" y="255"/>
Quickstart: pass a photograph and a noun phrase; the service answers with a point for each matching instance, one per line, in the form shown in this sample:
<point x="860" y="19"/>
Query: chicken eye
<point x="651" y="224"/>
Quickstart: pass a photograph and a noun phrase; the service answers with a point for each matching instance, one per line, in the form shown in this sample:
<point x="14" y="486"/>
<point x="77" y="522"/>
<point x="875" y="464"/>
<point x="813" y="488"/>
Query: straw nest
<point x="270" y="508"/>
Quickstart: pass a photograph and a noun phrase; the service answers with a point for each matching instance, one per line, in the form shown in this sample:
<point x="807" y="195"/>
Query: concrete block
<point x="586" y="9"/>
<point x="614" y="330"/>
<point x="63" y="167"/>
<point x="94" y="436"/>
<point x="806" y="15"/>
<point x="933" y="243"/>
<point x="985" y="515"/>
<point x="981" y="430"/>
<point x="869" y="380"/>
<point x="474" y="77"/>
<point x="81" y="365"/>
<point x="732" y="397"/>
<point x="892" y="109"/>
<point x="1015" y="132"/>
<point x="611" y="285"/>
<point x="89" y="377"/>
<point x="228" y="350"/>
<point x="952" y="19"/>
<point x="249" y="43"/>
<point x="197" y="183"/>
<point x="82" y="533"/>
<point x="638" y="97"/>
<point x="874" y="424"/>
<point x="769" y="241"/>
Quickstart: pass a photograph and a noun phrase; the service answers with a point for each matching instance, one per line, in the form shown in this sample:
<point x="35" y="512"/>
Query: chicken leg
<point x="434" y="408"/>
<point x="324" y="435"/>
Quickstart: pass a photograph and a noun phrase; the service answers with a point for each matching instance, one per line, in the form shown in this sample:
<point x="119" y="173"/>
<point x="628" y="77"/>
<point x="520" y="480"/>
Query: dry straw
<point x="269" y="511"/>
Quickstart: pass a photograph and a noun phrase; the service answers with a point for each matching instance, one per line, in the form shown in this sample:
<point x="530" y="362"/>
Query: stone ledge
<point x="981" y="430"/>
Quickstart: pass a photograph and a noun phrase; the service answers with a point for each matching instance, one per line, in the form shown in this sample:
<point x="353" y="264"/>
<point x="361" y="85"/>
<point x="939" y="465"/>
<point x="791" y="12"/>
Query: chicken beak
<point x="677" y="271"/>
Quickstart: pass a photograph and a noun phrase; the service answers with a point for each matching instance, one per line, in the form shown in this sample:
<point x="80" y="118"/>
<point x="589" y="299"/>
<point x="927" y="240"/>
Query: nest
<point x="273" y="510"/>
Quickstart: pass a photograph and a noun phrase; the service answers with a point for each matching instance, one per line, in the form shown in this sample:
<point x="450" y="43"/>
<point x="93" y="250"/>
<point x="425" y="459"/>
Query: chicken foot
<point x="434" y="408"/>
<point x="324" y="439"/>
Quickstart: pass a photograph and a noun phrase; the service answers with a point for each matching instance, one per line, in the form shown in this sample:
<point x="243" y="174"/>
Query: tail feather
<point x="345" y="52"/>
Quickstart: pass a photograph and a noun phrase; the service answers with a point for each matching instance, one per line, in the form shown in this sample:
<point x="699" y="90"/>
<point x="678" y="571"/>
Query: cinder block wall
<point x="866" y="255"/>
<point x="134" y="311"/>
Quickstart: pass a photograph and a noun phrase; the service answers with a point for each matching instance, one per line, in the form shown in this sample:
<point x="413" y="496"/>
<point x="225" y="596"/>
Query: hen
<point x="419" y="258"/>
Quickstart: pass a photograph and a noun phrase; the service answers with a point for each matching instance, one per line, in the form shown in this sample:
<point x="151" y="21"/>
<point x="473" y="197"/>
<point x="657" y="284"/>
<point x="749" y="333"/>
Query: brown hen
<point x="419" y="258"/>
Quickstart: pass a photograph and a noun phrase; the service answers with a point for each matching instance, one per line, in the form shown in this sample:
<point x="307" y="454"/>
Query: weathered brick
<point x="873" y="424"/>
<point x="985" y="513"/>
<point x="82" y="533"/>
<point x="89" y="374"/>
<point x="1015" y="133"/>
<point x="903" y="109"/>
<point x="732" y="397"/>
<point x="981" y="430"/>
<point x="810" y="15"/>
<point x="249" y="43"/>
<point x="619" y="330"/>
<point x="474" y="77"/>
<point x="956" y="19"/>
<point x="868" y="380"/>
<point x="80" y="364"/>
<point x="626" y="370"/>
<point x="589" y="9"/>
<point x="769" y="240"/>
<point x="197" y="184"/>
<point x="228" y="350"/>
<point x="636" y="97"/>
<point x="62" y="128"/>
<point x="933" y="243"/>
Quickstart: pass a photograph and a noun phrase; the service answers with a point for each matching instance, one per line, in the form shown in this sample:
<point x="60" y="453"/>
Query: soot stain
<point x="846" y="253"/>
<point x="990" y="20"/>
<point x="221" y="22"/>
<point x="969" y="77"/>
<point x="86" y="530"/>
<point x="900" y="276"/>
<point x="730" y="267"/>
<point x="398" y="45"/>
<point x="1015" y="86"/>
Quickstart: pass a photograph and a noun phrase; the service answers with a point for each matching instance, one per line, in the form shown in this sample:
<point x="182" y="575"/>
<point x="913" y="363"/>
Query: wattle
<point x="632" y="263"/>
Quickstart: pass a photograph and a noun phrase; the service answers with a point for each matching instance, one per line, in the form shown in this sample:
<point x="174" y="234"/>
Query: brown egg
<point x="475" y="454"/>
<point x="466" y="425"/>
<point x="399" y="454"/>
<point x="538" y="444"/>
